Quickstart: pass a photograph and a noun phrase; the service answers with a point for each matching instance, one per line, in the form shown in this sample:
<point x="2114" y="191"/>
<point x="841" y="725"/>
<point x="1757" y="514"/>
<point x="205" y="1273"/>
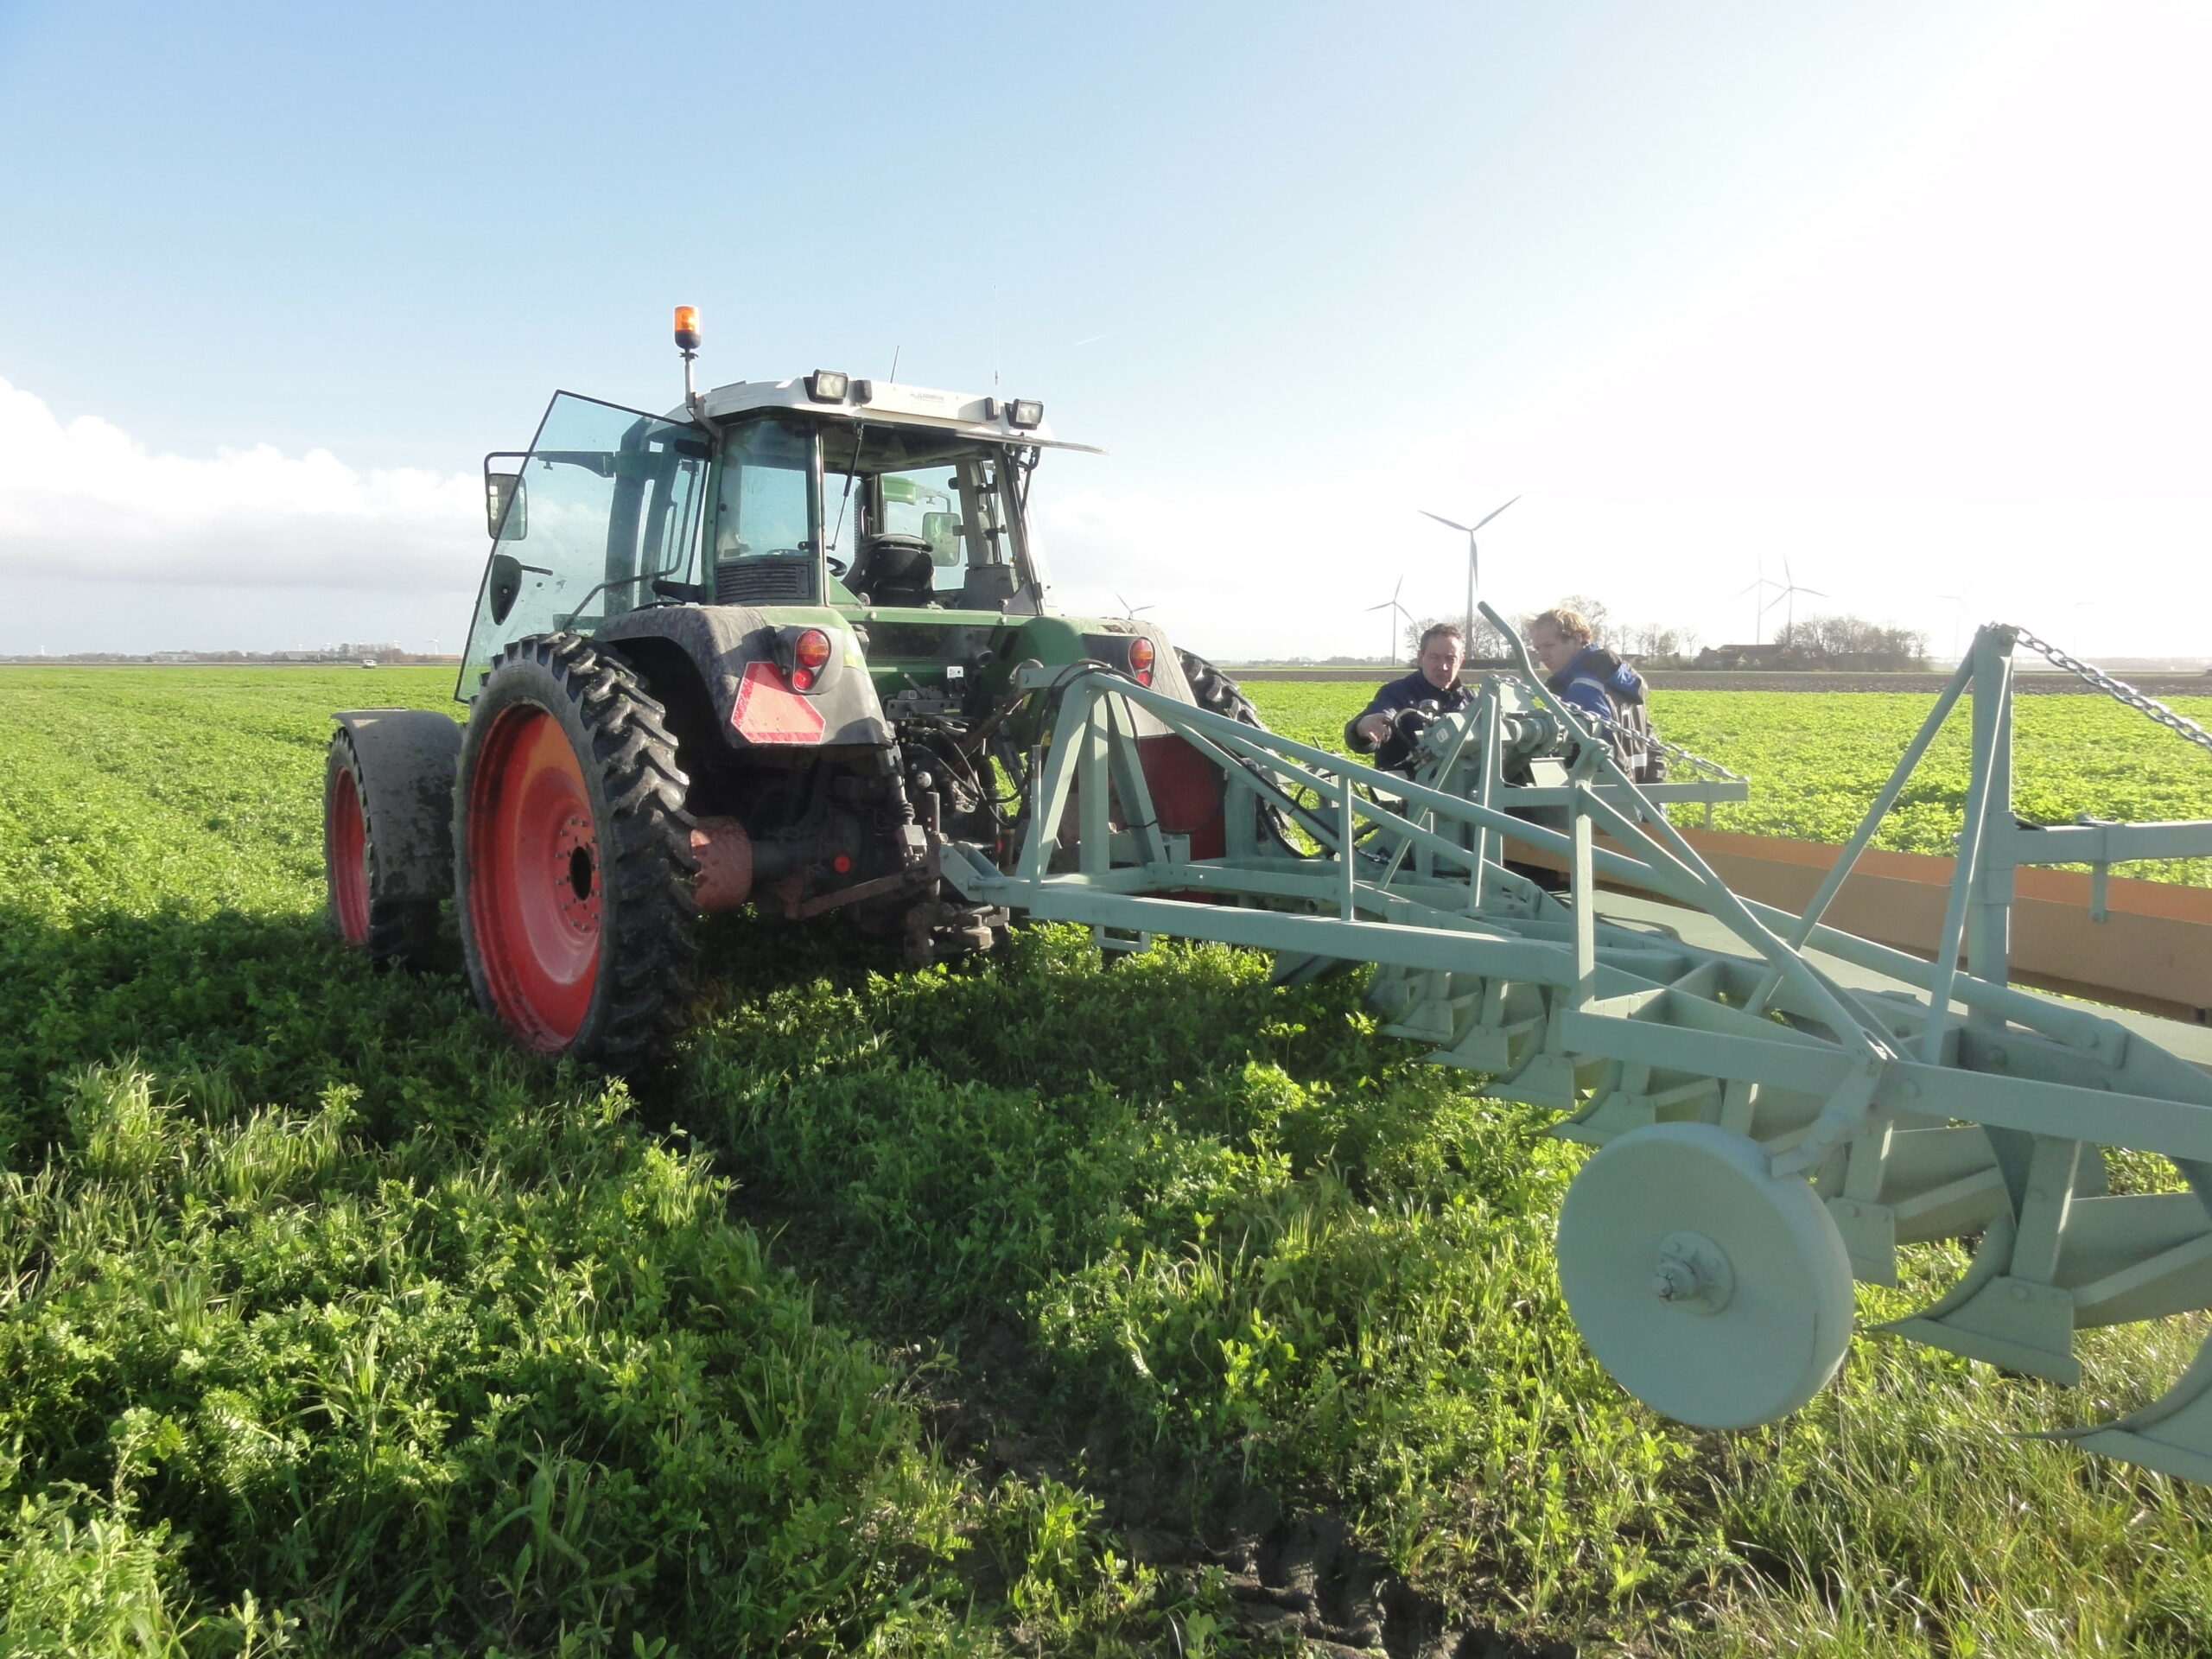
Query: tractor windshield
<point x="914" y="516"/>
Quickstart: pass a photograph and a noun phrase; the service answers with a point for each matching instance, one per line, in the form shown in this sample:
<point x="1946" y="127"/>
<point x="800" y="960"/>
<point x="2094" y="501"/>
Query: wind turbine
<point x="1391" y="604"/>
<point x="1789" y="595"/>
<point x="1758" y="605"/>
<point x="1130" y="613"/>
<point x="1468" y="640"/>
<point x="1958" y="604"/>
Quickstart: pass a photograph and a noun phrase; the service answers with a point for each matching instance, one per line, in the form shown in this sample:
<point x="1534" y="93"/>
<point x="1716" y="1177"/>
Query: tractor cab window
<point x="606" y="504"/>
<point x="762" y="532"/>
<point x="920" y="518"/>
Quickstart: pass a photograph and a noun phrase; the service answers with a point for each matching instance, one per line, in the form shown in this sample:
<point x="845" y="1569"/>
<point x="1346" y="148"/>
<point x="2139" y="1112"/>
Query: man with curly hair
<point x="1582" y="672"/>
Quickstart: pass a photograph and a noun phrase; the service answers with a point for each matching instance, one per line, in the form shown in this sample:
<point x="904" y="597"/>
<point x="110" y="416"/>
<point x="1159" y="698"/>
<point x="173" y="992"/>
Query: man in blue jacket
<point x="1585" y="674"/>
<point x="1433" y="688"/>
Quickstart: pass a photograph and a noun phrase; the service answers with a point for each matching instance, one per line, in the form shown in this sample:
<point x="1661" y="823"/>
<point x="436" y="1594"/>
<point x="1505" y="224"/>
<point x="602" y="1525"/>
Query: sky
<point x="1904" y="303"/>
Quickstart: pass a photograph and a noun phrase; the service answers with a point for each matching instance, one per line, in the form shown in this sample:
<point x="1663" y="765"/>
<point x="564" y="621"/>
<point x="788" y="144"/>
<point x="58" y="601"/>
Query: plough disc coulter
<point x="1778" y="1105"/>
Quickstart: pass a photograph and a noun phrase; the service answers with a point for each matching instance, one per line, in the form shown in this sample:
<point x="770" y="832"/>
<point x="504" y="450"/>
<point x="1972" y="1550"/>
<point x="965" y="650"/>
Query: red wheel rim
<point x="534" y="878"/>
<point x="346" y="856"/>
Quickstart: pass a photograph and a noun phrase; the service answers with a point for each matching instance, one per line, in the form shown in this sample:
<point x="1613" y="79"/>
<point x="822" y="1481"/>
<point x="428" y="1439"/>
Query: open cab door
<point x="606" y="504"/>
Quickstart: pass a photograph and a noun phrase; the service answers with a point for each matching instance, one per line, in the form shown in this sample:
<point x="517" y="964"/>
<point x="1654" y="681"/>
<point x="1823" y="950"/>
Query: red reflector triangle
<point x="767" y="712"/>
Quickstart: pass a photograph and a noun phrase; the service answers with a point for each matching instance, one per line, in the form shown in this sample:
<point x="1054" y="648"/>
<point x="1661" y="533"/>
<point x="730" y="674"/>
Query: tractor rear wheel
<point x="573" y="856"/>
<point x="377" y="901"/>
<point x="1215" y="690"/>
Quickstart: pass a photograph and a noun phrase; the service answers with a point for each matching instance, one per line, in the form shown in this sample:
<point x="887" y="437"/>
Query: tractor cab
<point x="901" y="508"/>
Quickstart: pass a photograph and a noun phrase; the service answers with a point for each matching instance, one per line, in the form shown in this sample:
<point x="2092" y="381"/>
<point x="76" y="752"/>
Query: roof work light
<point x="1026" y="413"/>
<point x="826" y="386"/>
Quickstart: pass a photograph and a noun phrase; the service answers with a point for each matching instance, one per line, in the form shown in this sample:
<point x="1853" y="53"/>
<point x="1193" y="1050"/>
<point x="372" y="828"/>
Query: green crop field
<point x="1039" y="1306"/>
<point x="1815" y="760"/>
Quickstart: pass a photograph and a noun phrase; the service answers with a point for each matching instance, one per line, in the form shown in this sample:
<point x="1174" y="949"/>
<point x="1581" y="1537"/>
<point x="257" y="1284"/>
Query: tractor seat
<point x="895" y="568"/>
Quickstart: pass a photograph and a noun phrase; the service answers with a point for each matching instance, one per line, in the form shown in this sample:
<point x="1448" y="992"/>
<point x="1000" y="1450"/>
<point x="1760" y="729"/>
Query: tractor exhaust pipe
<point x="725" y="855"/>
<point x="733" y="866"/>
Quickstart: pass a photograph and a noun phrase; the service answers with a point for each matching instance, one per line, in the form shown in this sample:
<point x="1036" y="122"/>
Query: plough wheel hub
<point x="1713" y="1290"/>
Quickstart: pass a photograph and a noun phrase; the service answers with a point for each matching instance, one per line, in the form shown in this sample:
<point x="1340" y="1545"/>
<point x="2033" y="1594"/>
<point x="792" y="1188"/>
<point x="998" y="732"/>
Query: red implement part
<point x="768" y="712"/>
<point x="535" y="902"/>
<point x="1185" y="793"/>
<point x="345" y="850"/>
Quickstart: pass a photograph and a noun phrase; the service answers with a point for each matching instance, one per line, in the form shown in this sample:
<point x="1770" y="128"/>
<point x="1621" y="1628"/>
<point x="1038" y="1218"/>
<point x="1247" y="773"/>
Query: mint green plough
<point x="1777" y="1105"/>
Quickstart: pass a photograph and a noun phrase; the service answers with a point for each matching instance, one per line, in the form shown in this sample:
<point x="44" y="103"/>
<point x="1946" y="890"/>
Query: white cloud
<point x="82" y="503"/>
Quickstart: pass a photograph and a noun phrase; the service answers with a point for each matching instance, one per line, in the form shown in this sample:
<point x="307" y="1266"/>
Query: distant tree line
<point x="1853" y="642"/>
<point x="1832" y="643"/>
<point x="1653" y="643"/>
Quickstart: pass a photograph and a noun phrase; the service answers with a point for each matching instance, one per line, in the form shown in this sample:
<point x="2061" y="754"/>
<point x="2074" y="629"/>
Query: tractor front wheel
<point x="573" y="856"/>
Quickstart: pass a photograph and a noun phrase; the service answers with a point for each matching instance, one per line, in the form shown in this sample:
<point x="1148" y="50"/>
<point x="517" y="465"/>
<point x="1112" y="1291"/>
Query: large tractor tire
<point x="573" y="860"/>
<point x="1215" y="692"/>
<point x="387" y="823"/>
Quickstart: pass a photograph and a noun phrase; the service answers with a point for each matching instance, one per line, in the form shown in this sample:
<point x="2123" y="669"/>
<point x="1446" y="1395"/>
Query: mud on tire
<point x="364" y="909"/>
<point x="573" y="860"/>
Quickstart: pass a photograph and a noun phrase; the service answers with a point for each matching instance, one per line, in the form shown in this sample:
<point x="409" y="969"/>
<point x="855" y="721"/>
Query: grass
<point x="329" y="1324"/>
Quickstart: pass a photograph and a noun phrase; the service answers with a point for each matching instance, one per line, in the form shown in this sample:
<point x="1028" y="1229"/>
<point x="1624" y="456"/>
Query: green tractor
<point x="777" y="647"/>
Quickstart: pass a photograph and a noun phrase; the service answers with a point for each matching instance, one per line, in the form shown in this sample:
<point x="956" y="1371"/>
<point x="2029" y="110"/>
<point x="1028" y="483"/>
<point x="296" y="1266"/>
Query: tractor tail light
<point x="810" y="656"/>
<point x="1140" y="659"/>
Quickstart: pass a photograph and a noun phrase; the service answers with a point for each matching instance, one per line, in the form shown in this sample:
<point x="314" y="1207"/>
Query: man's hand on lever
<point x="1373" y="728"/>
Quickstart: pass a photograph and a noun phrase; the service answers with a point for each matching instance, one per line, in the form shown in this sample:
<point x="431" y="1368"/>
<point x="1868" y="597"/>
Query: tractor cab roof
<point x="881" y="403"/>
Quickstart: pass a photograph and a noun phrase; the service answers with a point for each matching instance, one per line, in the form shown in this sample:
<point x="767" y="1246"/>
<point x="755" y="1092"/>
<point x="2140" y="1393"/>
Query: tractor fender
<point x="408" y="758"/>
<point x="734" y="648"/>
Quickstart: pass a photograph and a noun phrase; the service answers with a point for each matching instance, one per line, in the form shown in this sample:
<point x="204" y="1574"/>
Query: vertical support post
<point x="1583" y="890"/>
<point x="2054" y="1175"/>
<point x="1119" y="728"/>
<point x="1052" y="771"/>
<point x="1992" y="670"/>
<point x="1346" y="858"/>
<point x="1989" y="920"/>
<point x="1485" y="795"/>
<point x="1869" y="1150"/>
<point x="1240" y="806"/>
<point x="1094" y="845"/>
<point x="1095" y="848"/>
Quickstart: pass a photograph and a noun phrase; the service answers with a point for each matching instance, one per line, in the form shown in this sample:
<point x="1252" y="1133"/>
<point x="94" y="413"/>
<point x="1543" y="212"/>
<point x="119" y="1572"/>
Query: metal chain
<point x="1650" y="739"/>
<point x="2118" y="691"/>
